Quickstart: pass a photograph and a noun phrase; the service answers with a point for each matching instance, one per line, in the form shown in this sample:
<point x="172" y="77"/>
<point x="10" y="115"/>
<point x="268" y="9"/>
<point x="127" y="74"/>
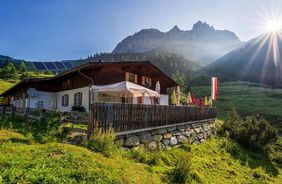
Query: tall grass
<point x="104" y="142"/>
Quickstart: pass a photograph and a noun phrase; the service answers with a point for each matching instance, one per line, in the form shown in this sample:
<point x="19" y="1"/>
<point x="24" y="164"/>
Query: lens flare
<point x="274" y="25"/>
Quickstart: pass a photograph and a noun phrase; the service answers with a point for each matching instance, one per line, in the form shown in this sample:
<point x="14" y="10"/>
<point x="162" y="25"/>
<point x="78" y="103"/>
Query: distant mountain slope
<point x="203" y="43"/>
<point x="170" y="63"/>
<point x="4" y="60"/>
<point x="258" y="60"/>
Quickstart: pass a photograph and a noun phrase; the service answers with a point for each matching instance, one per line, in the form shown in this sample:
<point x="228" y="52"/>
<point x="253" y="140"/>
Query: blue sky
<point x="70" y="29"/>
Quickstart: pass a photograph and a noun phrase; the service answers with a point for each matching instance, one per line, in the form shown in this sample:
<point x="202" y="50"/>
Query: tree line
<point x="12" y="72"/>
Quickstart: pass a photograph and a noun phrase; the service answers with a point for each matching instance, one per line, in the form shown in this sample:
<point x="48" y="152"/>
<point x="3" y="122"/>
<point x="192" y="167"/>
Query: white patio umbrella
<point x="189" y="98"/>
<point x="158" y="90"/>
<point x="178" y="94"/>
<point x="158" y="87"/>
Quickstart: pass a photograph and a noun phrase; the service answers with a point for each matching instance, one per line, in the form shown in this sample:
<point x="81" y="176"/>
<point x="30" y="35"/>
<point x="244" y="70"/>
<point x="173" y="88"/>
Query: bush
<point x="103" y="142"/>
<point x="254" y="133"/>
<point x="50" y="130"/>
<point x="78" y="108"/>
<point x="182" y="171"/>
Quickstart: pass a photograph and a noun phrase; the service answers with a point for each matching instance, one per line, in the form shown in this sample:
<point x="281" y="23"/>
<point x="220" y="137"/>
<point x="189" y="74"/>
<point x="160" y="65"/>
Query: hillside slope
<point x="247" y="99"/>
<point x="258" y="60"/>
<point x="4" y="84"/>
<point x="203" y="43"/>
<point x="168" y="62"/>
<point x="211" y="162"/>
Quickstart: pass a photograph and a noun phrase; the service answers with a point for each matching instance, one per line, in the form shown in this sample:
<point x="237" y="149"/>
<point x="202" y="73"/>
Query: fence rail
<point x="125" y="117"/>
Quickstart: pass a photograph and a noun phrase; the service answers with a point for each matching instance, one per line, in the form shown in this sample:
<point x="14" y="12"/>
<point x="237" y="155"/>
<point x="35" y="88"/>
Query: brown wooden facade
<point x="96" y="73"/>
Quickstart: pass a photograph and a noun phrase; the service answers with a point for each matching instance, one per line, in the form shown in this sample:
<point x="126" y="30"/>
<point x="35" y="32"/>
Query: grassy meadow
<point x="6" y="84"/>
<point x="247" y="99"/>
<point x="24" y="161"/>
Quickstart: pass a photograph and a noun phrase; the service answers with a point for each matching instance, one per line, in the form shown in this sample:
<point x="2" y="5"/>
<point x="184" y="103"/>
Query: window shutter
<point x="126" y="76"/>
<point x="143" y="80"/>
<point x="63" y="100"/>
<point x="135" y="79"/>
<point x="75" y="99"/>
<point x="80" y="98"/>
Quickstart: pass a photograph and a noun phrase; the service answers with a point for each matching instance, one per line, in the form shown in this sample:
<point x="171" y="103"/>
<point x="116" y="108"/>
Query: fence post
<point x="26" y="109"/>
<point x="3" y="111"/>
<point x="41" y="115"/>
<point x="13" y="110"/>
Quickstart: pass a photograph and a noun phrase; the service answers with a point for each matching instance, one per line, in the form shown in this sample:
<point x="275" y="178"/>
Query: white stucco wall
<point x="53" y="101"/>
<point x="164" y="100"/>
<point x="85" y="98"/>
<point x="45" y="97"/>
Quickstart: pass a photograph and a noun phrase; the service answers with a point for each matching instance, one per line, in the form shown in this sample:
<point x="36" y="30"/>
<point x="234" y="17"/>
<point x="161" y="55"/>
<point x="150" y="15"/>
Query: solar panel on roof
<point x="50" y="66"/>
<point x="68" y="65"/>
<point x="60" y="65"/>
<point x="39" y="66"/>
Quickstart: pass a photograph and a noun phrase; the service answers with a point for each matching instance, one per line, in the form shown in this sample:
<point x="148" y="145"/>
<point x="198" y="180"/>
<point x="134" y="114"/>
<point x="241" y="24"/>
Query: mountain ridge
<point x="258" y="60"/>
<point x="203" y="43"/>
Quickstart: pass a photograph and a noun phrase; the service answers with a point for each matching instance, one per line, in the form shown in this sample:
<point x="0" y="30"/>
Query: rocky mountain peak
<point x="203" y="43"/>
<point x="174" y="29"/>
<point x="202" y="26"/>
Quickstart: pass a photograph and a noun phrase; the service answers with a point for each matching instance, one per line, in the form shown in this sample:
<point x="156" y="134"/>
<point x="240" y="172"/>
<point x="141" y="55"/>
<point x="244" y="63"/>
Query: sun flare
<point x="274" y="25"/>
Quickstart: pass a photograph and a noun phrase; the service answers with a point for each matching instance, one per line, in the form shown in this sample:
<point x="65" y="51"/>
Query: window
<point x="40" y="105"/>
<point x="77" y="99"/>
<point x="146" y="81"/>
<point x="131" y="77"/>
<point x="65" y="100"/>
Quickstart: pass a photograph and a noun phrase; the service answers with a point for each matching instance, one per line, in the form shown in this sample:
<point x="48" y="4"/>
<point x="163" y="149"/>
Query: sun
<point x="274" y="25"/>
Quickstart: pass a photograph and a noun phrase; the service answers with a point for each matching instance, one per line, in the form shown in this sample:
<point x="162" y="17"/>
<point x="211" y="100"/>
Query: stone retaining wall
<point x="165" y="137"/>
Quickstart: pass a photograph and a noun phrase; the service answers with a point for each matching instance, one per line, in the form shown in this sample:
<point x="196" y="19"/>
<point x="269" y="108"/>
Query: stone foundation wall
<point x="169" y="136"/>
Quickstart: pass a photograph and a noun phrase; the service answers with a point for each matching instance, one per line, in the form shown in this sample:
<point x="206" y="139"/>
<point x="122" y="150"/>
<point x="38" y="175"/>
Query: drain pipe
<point x="91" y="84"/>
<point x="90" y="115"/>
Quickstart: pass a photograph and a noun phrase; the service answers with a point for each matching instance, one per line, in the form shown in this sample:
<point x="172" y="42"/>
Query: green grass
<point x="247" y="99"/>
<point x="62" y="163"/>
<point x="23" y="160"/>
<point x="6" y="84"/>
<point x="211" y="162"/>
<point x="38" y="75"/>
<point x="76" y="126"/>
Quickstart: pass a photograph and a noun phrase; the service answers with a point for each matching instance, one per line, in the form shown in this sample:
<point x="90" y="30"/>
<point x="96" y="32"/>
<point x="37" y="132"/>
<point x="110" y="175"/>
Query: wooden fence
<point x="125" y="117"/>
<point x="27" y="113"/>
<point x="31" y="114"/>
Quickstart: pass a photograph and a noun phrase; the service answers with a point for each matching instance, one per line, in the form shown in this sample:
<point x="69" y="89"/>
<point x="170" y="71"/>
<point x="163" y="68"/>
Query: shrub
<point x="182" y="170"/>
<point x="103" y="142"/>
<point x="49" y="130"/>
<point x="254" y="133"/>
<point x="78" y="108"/>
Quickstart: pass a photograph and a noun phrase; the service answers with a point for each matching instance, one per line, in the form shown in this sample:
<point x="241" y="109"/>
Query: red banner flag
<point x="214" y="88"/>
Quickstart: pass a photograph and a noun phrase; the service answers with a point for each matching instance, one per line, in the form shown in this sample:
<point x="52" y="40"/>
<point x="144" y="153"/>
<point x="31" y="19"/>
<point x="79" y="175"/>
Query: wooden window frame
<point x="129" y="77"/>
<point x="146" y="81"/>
